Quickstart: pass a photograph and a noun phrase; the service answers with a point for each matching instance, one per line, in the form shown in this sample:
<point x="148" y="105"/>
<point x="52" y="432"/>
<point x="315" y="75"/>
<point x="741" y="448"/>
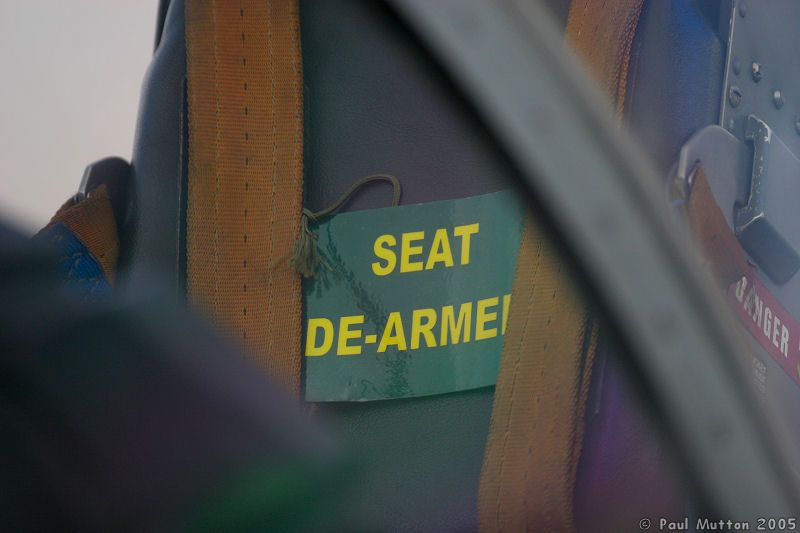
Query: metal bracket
<point x="114" y="173"/>
<point x="768" y="224"/>
<point x="755" y="188"/>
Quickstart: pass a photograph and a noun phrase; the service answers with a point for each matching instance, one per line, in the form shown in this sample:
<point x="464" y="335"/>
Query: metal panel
<point x="761" y="70"/>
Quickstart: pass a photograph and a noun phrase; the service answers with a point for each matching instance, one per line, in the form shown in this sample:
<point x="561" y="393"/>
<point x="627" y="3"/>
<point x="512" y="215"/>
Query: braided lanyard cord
<point x="306" y="257"/>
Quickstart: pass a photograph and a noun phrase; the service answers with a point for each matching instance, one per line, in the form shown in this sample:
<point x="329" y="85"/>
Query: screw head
<point x="755" y="70"/>
<point x="734" y="96"/>
<point x="777" y="98"/>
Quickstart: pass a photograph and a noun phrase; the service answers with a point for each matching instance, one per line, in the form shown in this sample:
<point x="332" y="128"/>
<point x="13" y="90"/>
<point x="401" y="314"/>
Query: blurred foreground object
<point x="129" y="415"/>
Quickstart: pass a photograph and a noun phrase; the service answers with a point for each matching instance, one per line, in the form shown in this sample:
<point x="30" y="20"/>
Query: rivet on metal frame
<point x="735" y="96"/>
<point x="777" y="98"/>
<point x="755" y="70"/>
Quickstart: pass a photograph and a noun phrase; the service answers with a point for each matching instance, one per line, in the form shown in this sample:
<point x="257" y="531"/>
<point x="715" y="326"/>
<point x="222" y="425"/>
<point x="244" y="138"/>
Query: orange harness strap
<point x="719" y="245"/>
<point x="601" y="32"/>
<point x="246" y="174"/>
<point x="536" y="433"/>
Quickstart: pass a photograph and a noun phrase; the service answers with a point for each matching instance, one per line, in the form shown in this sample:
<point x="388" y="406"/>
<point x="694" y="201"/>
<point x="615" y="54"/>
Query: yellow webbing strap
<point x="536" y="432"/>
<point x="246" y="174"/>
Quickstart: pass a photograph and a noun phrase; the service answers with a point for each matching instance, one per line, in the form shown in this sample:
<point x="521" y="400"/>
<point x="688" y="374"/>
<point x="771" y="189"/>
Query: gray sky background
<point x="71" y="73"/>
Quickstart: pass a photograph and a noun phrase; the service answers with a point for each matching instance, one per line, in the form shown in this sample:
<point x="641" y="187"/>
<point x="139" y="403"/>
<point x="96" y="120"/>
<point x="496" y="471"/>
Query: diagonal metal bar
<point x="601" y="199"/>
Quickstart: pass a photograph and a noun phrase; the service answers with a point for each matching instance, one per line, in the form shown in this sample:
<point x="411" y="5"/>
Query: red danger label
<point x="766" y="319"/>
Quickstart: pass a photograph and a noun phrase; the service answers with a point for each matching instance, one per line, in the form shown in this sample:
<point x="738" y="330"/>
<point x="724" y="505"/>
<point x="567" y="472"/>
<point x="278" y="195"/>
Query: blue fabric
<point x="77" y="267"/>
<point x="674" y="78"/>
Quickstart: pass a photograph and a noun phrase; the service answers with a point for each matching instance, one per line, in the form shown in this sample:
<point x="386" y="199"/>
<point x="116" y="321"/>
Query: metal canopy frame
<point x="602" y="201"/>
